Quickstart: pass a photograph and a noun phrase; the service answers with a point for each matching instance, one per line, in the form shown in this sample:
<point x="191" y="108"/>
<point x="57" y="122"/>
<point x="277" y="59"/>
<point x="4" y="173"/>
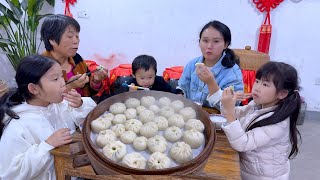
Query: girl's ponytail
<point x="11" y="98"/>
<point x="294" y="132"/>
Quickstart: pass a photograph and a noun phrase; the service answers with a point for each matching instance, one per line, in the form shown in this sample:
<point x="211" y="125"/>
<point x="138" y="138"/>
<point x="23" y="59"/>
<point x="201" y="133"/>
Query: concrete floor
<point x="306" y="165"/>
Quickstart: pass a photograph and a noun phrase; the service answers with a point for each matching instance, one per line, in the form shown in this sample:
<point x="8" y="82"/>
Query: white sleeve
<point x="215" y="98"/>
<point x="246" y="141"/>
<point x="22" y="160"/>
<point x="81" y="113"/>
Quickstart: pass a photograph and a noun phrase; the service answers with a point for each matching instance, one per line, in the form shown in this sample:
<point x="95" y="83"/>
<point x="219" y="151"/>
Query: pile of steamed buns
<point x="148" y="124"/>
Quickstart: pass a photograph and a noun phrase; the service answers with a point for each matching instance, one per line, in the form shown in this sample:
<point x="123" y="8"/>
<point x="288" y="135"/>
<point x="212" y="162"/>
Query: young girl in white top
<point x="264" y="132"/>
<point x="36" y="118"/>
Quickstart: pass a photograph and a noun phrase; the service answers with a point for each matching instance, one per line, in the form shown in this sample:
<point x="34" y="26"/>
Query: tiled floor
<point x="306" y="164"/>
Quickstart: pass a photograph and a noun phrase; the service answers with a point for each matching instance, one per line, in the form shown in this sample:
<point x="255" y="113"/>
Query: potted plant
<point x="18" y="28"/>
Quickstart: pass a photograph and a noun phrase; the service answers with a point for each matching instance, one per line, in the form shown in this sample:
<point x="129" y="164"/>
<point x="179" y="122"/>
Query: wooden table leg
<point x="59" y="163"/>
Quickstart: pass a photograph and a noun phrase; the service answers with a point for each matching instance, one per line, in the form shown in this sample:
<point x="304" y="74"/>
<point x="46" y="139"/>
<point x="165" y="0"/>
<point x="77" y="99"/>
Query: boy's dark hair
<point x="284" y="77"/>
<point x="144" y="62"/>
<point x="54" y="26"/>
<point x="230" y="59"/>
<point x="30" y="70"/>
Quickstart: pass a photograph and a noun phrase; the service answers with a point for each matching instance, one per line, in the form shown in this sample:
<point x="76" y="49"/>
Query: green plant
<point x="18" y="28"/>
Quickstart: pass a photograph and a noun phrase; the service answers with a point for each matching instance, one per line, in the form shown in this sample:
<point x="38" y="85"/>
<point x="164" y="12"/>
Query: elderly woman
<point x="60" y="35"/>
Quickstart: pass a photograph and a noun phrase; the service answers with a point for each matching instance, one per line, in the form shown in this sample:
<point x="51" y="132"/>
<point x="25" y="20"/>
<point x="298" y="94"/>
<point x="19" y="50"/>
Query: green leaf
<point x="31" y="4"/>
<point x="8" y="13"/>
<point x="6" y="42"/>
<point x="3" y="21"/>
<point x="39" y="17"/>
<point x="34" y="7"/>
<point x="16" y="9"/>
<point x="15" y="2"/>
<point x="32" y="23"/>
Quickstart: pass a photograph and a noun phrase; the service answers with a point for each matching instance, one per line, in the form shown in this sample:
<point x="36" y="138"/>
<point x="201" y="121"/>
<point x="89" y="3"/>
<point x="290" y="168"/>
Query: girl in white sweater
<point x="264" y="132"/>
<point x="37" y="117"/>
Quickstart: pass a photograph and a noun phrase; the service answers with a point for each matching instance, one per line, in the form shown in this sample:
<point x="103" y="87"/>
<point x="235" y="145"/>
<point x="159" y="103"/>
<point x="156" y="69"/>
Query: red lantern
<point x="266" y="28"/>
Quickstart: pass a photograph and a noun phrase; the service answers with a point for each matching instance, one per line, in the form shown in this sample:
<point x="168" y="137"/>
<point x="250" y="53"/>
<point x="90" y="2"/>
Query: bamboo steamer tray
<point x="251" y="60"/>
<point x="104" y="166"/>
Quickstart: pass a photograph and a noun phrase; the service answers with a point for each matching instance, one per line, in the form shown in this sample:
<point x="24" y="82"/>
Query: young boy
<point x="144" y="70"/>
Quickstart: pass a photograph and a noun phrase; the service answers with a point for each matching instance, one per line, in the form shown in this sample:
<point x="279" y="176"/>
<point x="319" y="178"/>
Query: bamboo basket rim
<point x="250" y="59"/>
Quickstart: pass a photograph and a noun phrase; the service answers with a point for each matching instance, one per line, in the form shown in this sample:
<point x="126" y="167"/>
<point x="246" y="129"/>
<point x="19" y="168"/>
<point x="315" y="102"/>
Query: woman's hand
<point x="207" y="77"/>
<point x="79" y="83"/>
<point x="60" y="137"/>
<point x="100" y="75"/>
<point x="204" y="74"/>
<point x="228" y="101"/>
<point x="74" y="98"/>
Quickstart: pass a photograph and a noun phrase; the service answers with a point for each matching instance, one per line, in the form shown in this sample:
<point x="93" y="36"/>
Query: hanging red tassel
<point x="265" y="36"/>
<point x="266" y="28"/>
<point x="67" y="7"/>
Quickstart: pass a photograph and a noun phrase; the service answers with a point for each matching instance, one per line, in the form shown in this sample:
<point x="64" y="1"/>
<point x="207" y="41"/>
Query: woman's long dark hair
<point x="230" y="59"/>
<point x="30" y="70"/>
<point x="284" y="77"/>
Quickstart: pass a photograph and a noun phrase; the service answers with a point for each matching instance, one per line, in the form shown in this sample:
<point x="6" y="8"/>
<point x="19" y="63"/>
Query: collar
<point x="48" y="54"/>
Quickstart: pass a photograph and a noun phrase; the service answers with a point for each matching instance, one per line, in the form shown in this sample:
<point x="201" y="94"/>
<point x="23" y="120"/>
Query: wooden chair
<point x="250" y="62"/>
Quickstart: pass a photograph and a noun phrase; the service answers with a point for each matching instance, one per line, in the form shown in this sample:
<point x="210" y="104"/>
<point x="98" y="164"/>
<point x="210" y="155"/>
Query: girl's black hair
<point x="30" y="70"/>
<point x="284" y="77"/>
<point x="230" y="59"/>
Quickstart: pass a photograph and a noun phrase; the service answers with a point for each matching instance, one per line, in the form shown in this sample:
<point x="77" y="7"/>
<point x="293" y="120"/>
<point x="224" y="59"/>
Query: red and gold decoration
<point x="67" y="7"/>
<point x="266" y="28"/>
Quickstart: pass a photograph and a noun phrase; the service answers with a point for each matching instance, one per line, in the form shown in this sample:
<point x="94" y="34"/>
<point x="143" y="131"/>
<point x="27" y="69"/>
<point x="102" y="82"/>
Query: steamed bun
<point x="117" y="108"/>
<point x="158" y="160"/>
<point x="181" y="152"/>
<point x="134" y="160"/>
<point x="132" y="103"/>
<point x="115" y="150"/>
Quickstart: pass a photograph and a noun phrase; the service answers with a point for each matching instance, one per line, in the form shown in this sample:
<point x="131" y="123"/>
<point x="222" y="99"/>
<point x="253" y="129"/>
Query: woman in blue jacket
<point x="197" y="82"/>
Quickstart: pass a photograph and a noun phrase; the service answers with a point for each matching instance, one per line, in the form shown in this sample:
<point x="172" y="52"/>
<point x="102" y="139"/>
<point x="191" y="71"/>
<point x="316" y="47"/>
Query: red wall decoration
<point x="67" y="7"/>
<point x="266" y="28"/>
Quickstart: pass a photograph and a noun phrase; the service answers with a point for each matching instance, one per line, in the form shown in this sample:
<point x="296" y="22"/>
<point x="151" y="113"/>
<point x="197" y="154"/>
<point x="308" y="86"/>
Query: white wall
<point x="168" y="30"/>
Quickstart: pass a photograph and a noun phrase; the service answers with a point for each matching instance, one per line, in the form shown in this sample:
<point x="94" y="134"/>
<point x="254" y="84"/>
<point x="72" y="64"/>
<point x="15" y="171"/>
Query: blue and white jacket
<point x="196" y="90"/>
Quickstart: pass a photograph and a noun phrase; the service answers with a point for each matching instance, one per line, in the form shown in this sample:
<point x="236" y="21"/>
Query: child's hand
<point x="132" y="88"/>
<point x="60" y="137"/>
<point x="241" y="96"/>
<point x="74" y="98"/>
<point x="228" y="101"/>
<point x="204" y="74"/>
